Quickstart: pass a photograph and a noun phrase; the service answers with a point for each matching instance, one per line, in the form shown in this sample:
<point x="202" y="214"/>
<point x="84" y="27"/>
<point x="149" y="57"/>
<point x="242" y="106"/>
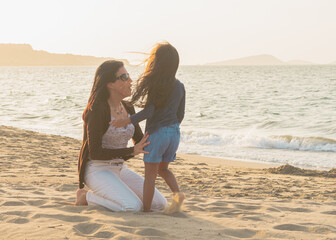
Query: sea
<point x="265" y="114"/>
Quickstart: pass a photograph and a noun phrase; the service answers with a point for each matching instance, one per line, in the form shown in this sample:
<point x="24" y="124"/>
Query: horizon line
<point x="209" y="63"/>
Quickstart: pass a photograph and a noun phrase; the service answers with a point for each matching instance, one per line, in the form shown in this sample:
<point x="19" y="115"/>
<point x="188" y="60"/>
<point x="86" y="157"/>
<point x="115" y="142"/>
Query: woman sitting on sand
<point x="104" y="149"/>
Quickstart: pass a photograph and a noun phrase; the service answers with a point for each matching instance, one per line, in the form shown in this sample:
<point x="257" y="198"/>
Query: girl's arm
<point x="181" y="108"/>
<point x="145" y="113"/>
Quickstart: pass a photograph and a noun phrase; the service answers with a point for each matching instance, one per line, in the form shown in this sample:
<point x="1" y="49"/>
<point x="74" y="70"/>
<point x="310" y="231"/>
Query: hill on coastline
<point x="263" y="59"/>
<point x="25" y="55"/>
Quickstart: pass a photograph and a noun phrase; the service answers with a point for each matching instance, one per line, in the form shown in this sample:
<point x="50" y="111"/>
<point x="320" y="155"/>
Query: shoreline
<point x="226" y="162"/>
<point x="224" y="199"/>
<point x="199" y="158"/>
<point x="213" y="159"/>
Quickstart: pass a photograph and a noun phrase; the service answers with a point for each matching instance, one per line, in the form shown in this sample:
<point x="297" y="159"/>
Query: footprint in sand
<point x="232" y="213"/>
<point x="19" y="220"/>
<point x="143" y="231"/>
<point x="195" y="200"/>
<point x="320" y="229"/>
<point x="18" y="213"/>
<point x="194" y="208"/>
<point x="61" y="199"/>
<point x="217" y="209"/>
<point x="104" y="234"/>
<point x="229" y="214"/>
<point x="273" y="209"/>
<point x="291" y="227"/>
<point x="128" y="223"/>
<point x="35" y="202"/>
<point x="240" y="233"/>
<point x="67" y="188"/>
<point x="49" y="206"/>
<point x="295" y="209"/>
<point x="72" y="208"/>
<point x="151" y="232"/>
<point x="220" y="203"/>
<point x="13" y="203"/>
<point x="329" y="212"/>
<point x="253" y="218"/>
<point x="178" y="215"/>
<point x="39" y="193"/>
<point x="66" y="218"/>
<point x="247" y="207"/>
<point x="87" y="228"/>
<point x="331" y="203"/>
<point x="219" y="215"/>
<point x="126" y="229"/>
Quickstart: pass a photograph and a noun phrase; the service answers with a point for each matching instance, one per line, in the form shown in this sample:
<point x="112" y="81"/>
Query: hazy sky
<point x="201" y="30"/>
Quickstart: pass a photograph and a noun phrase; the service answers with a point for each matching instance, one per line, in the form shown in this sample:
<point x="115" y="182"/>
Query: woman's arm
<point x="139" y="147"/>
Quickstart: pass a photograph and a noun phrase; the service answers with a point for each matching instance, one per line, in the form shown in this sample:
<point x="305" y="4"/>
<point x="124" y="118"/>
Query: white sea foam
<point x="260" y="141"/>
<point x="307" y="152"/>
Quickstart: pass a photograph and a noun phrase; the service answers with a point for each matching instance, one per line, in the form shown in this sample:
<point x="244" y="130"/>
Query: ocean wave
<point x="300" y="143"/>
<point x="260" y="141"/>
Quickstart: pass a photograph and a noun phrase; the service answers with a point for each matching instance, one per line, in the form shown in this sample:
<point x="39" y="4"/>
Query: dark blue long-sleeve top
<point x="171" y="114"/>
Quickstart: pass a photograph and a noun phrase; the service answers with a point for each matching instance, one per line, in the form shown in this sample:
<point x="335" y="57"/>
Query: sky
<point x="203" y="31"/>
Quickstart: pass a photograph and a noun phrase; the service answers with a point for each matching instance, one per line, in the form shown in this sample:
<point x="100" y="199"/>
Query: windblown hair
<point x="105" y="73"/>
<point x="156" y="84"/>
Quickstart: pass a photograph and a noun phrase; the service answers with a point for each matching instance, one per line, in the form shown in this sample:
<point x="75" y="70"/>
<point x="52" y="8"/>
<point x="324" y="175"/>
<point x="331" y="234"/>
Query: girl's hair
<point x="105" y="73"/>
<point x="156" y="84"/>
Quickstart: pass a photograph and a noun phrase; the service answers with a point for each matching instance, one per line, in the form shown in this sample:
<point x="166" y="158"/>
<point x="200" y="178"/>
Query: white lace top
<point x="117" y="138"/>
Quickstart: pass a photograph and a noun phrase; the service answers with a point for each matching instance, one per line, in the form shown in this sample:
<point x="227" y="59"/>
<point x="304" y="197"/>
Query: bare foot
<point x="177" y="201"/>
<point x="81" y="197"/>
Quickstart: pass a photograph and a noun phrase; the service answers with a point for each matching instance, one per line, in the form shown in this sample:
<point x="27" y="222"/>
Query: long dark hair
<point x="105" y="73"/>
<point x="156" y="84"/>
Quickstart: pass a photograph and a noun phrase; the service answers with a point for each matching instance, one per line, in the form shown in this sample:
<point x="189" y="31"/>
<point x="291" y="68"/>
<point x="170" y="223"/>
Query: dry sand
<point x="225" y="199"/>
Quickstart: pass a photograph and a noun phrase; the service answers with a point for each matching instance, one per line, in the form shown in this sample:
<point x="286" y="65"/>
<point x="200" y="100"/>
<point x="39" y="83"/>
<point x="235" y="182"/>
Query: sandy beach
<point x="225" y="199"/>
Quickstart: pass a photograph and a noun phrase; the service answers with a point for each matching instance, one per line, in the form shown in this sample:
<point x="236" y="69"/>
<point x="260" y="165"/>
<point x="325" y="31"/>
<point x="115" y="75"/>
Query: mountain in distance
<point x="263" y="59"/>
<point x="25" y="55"/>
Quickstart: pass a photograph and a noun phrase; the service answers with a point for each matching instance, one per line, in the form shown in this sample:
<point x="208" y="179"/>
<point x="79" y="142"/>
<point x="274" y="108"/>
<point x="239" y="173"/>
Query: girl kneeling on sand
<point x="163" y="99"/>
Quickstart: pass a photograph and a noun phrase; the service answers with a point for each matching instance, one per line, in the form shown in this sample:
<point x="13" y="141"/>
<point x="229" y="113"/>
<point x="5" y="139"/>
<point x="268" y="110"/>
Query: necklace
<point x="118" y="110"/>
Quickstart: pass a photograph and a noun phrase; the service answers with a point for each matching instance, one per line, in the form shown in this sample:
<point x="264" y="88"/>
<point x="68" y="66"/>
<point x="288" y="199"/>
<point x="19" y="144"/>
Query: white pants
<point x="117" y="188"/>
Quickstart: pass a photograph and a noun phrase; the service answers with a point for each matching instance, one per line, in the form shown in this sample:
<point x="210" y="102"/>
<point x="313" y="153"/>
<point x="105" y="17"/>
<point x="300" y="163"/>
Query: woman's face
<point x="121" y="86"/>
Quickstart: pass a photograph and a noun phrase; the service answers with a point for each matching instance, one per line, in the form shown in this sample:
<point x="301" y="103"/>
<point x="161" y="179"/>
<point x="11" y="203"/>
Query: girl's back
<point x="171" y="113"/>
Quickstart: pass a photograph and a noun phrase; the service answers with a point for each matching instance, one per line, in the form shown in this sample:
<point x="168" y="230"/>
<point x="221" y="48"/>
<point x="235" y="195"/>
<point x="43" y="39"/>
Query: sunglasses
<point x="123" y="77"/>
